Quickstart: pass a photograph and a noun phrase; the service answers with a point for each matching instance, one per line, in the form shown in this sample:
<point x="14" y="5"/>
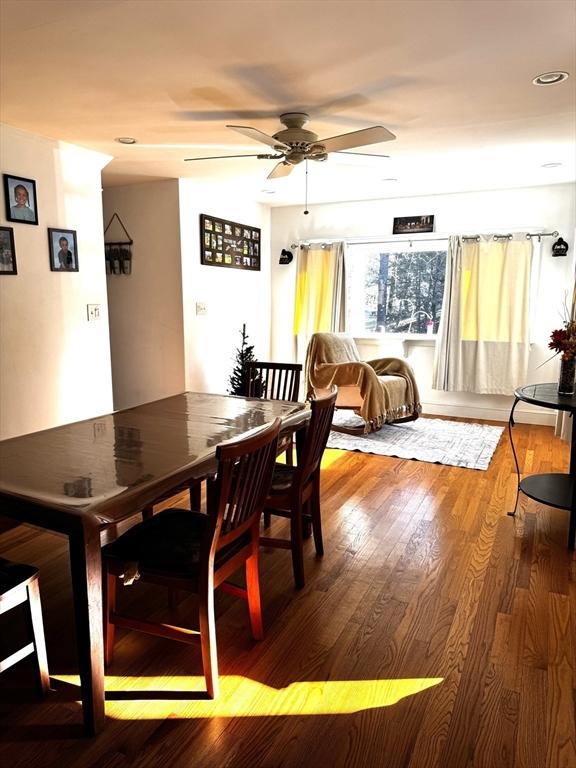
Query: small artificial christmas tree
<point x="244" y="354"/>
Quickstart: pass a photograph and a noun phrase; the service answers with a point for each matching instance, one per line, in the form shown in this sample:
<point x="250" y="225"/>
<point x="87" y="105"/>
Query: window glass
<point x="395" y="288"/>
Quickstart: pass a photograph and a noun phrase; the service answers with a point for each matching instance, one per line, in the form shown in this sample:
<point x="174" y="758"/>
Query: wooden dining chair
<point x="193" y="488"/>
<point x="295" y="491"/>
<point x="275" y="381"/>
<point x="19" y="585"/>
<point x="189" y="550"/>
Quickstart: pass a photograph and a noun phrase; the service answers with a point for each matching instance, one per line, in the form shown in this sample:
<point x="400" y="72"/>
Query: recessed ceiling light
<point x="269" y="191"/>
<point x="125" y="140"/>
<point x="550" y="78"/>
<point x="551" y="165"/>
<point x="390" y="179"/>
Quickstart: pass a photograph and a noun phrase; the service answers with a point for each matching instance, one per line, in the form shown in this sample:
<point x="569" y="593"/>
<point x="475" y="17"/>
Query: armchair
<point x="379" y="391"/>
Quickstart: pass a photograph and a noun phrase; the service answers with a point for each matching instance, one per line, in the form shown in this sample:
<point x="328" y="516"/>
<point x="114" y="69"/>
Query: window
<point x="395" y="288"/>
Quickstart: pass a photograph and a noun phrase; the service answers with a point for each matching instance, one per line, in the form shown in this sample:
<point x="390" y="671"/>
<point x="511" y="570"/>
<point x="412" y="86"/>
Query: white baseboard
<point x="523" y="415"/>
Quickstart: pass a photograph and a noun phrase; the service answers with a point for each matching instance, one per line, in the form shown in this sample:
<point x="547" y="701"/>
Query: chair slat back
<point x="273" y="381"/>
<point x="316" y="436"/>
<point x="242" y="482"/>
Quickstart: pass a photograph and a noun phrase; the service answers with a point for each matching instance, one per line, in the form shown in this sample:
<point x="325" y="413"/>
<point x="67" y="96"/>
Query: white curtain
<point x="563" y="421"/>
<point x="484" y="335"/>
<point x="320" y="294"/>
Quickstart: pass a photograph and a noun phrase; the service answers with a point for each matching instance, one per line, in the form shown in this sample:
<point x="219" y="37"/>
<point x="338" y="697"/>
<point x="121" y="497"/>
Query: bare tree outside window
<point x="396" y="291"/>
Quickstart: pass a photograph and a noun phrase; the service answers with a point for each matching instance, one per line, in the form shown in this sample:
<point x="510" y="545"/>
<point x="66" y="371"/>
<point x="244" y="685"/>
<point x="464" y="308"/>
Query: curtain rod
<point x="326" y="243"/>
<point x="529" y="236"/>
<point x="376" y="241"/>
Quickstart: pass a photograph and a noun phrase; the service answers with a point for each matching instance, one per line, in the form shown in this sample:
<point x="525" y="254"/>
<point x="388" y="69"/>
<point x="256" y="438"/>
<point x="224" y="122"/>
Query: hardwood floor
<point x="436" y="632"/>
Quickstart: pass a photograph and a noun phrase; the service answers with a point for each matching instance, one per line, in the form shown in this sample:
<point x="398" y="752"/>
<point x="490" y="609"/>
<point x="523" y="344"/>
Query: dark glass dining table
<point x="79" y="479"/>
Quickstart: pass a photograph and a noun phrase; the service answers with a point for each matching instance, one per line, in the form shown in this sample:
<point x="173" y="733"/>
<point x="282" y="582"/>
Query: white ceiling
<point x="451" y="78"/>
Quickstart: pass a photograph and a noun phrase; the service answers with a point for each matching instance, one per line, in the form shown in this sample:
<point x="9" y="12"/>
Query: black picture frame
<point x="24" y="208"/>
<point x="63" y="256"/>
<point x="7" y="252"/>
<point x="229" y="244"/>
<point x="407" y="225"/>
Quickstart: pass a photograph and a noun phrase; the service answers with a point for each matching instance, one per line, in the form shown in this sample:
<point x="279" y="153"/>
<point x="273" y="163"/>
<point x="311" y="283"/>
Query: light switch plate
<point x="201" y="308"/>
<point x="93" y="312"/>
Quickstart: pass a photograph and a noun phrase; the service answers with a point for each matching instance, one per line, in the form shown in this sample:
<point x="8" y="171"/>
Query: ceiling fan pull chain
<point x="306" y="211"/>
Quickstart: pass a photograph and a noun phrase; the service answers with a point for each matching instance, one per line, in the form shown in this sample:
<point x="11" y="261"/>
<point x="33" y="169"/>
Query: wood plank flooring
<point x="436" y="632"/>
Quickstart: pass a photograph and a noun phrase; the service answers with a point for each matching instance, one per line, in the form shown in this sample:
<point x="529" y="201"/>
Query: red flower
<point x="558" y="339"/>
<point x="563" y="341"/>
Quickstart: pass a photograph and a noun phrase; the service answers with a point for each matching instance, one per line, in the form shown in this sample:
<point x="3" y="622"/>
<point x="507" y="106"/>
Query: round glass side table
<point x="554" y="489"/>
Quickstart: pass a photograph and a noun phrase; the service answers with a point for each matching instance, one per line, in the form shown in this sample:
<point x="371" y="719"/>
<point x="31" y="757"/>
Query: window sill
<point x="394" y="345"/>
<point x="424" y="339"/>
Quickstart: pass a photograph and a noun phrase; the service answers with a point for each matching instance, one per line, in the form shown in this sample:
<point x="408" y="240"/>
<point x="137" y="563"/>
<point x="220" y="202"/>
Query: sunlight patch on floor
<point x="244" y="697"/>
<point x="330" y="456"/>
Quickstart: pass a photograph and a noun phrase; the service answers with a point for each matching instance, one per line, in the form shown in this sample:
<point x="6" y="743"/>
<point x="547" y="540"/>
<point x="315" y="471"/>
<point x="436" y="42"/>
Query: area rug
<point x="457" y="443"/>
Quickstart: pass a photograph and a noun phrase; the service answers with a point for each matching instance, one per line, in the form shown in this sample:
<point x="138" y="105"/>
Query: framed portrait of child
<point x="20" y="199"/>
<point x="7" y="252"/>
<point x="63" y="250"/>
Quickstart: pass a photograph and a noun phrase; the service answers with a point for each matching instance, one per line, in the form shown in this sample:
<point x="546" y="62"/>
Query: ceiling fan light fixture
<point x="317" y="152"/>
<point x="551" y="78"/>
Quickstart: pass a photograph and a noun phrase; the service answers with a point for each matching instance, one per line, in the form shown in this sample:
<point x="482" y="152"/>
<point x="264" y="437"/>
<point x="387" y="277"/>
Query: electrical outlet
<point x="93" y="312"/>
<point x="201" y="308"/>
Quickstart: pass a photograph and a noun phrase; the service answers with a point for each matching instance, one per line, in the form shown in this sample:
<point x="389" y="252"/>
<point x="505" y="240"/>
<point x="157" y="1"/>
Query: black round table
<point x="556" y="490"/>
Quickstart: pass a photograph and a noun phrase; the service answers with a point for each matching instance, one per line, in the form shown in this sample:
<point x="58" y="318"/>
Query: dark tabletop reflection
<point x="81" y="488"/>
<point x="99" y="464"/>
<point x="547" y="396"/>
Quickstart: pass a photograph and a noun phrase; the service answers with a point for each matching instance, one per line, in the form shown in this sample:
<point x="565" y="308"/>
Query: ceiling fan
<point x="294" y="143"/>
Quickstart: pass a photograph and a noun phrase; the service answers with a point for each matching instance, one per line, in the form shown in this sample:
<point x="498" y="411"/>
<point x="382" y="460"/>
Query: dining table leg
<point x="85" y="564"/>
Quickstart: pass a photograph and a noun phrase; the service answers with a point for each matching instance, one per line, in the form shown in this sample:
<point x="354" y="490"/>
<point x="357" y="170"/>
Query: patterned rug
<point x="457" y="443"/>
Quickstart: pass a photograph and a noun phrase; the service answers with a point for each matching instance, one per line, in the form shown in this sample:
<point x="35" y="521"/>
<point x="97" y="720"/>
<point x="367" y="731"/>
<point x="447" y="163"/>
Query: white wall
<point x="548" y="208"/>
<point x="232" y="296"/>
<point x="54" y="365"/>
<point x="146" y="321"/>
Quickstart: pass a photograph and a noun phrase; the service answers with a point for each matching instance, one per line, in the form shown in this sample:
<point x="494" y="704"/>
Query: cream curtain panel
<point x="484" y="336"/>
<point x="320" y="294"/>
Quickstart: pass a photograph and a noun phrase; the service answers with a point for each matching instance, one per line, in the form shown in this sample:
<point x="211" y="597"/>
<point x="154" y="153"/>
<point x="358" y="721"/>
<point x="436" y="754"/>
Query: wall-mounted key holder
<point x="118" y="252"/>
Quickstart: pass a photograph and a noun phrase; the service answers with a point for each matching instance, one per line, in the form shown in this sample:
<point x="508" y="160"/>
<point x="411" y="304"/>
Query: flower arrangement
<point x="563" y="340"/>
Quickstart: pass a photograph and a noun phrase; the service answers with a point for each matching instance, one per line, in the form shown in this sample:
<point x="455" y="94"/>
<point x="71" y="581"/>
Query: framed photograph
<point x="229" y="244"/>
<point x="63" y="250"/>
<point x="406" y="225"/>
<point x="7" y="252"/>
<point x="20" y="199"/>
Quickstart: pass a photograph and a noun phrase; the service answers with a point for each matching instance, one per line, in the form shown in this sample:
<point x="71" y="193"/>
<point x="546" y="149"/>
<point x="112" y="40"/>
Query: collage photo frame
<point x="229" y="244"/>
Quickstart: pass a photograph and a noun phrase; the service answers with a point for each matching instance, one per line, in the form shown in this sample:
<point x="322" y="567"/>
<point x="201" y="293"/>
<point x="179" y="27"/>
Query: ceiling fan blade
<point x="209" y="115"/>
<point x="254" y="133"/>
<point x="360" y="154"/>
<point x="357" y="138"/>
<point x="280" y="169"/>
<point x="270" y="82"/>
<point x="218" y="157"/>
